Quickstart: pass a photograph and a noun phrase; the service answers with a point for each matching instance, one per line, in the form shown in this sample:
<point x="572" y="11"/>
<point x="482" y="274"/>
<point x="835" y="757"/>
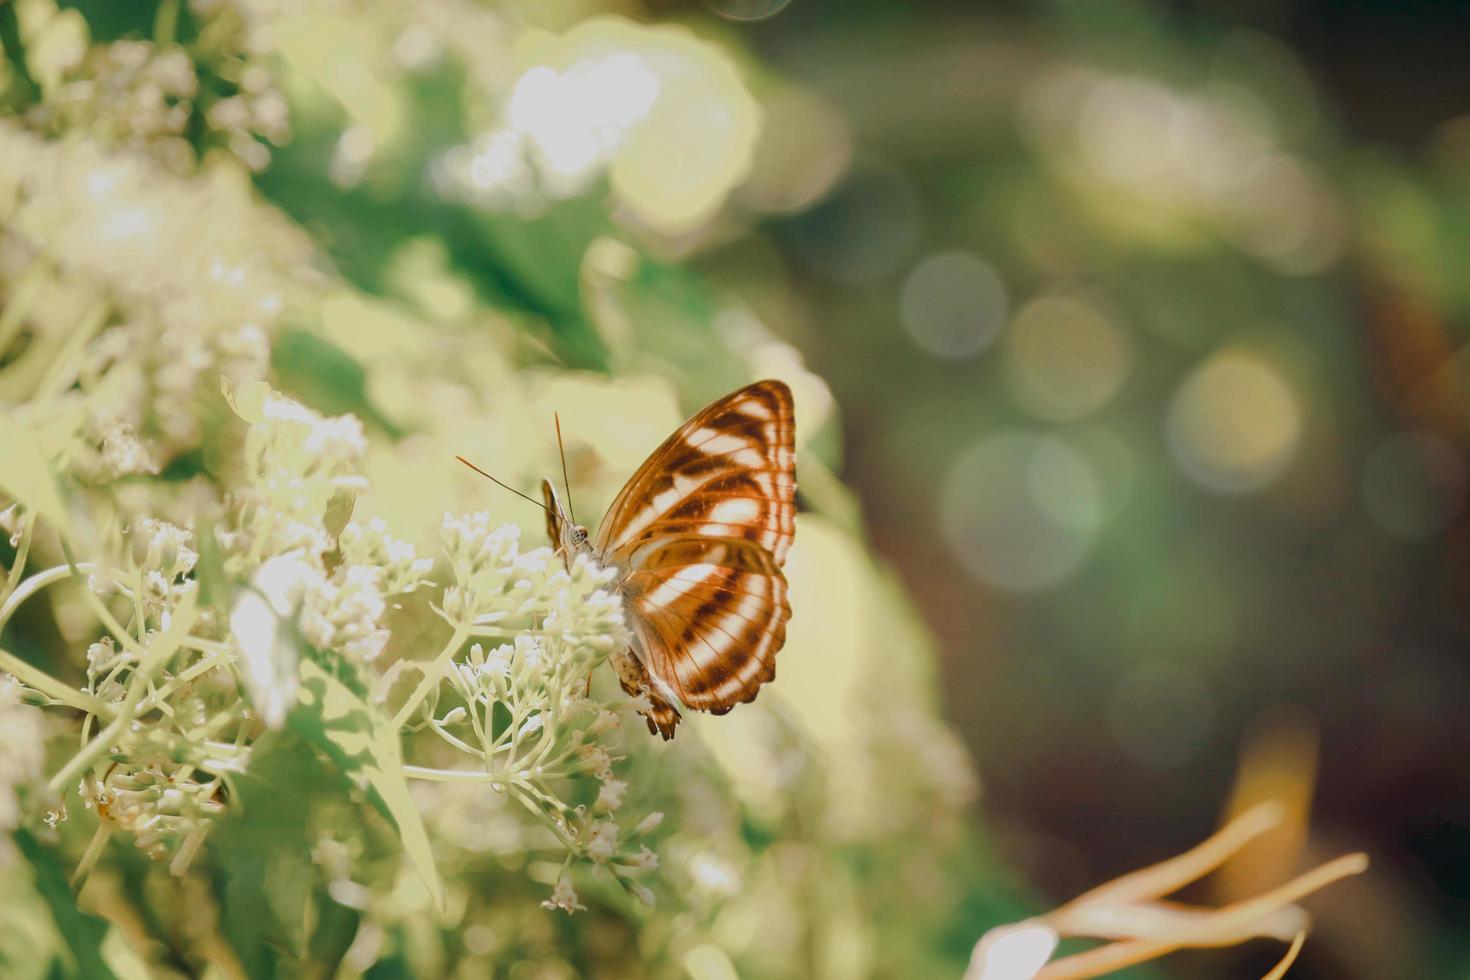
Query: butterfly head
<point x="569" y="537"/>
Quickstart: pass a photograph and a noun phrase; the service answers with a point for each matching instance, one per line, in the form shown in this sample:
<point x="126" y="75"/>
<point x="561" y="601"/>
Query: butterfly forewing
<point x="700" y="533"/>
<point x="730" y="469"/>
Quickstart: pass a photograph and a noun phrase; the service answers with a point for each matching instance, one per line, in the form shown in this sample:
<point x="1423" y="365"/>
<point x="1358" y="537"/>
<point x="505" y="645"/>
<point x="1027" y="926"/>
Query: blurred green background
<point x="1149" y="326"/>
<point x="1137" y="328"/>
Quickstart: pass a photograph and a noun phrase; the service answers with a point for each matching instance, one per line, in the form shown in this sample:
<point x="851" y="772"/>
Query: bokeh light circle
<point x="1414" y="484"/>
<point x="1234" y="424"/>
<point x="1160" y="714"/>
<point x="1065" y="358"/>
<point x="747" y="9"/>
<point x="1020" y="511"/>
<point x="953" y="304"/>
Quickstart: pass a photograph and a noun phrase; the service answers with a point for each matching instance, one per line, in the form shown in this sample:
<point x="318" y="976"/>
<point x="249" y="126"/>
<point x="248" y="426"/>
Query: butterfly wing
<point x="710" y="618"/>
<point x="701" y="531"/>
<point x="554" y="520"/>
<point x="732" y="466"/>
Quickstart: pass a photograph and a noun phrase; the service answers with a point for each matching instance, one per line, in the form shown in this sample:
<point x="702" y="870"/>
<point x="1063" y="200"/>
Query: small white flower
<point x="648" y="824"/>
<point x="610" y="795"/>
<point x="345" y="613"/>
<point x="478" y="675"/>
<point x="369" y="544"/>
<point x="497" y="662"/>
<point x="529" y="652"/>
<point x="165" y="548"/>
<point x="101" y="656"/>
<point x="603" y="841"/>
<point x="605" y="722"/>
<point x="564" y="896"/>
<point x="124" y="455"/>
<point x="597" y="760"/>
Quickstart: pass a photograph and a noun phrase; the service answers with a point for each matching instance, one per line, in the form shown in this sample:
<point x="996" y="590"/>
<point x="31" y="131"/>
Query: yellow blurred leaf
<point x="25" y="474"/>
<point x="248" y="400"/>
<point x="708" y="962"/>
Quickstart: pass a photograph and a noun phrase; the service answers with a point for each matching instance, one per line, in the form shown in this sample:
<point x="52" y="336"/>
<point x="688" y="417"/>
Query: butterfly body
<point x="698" y="537"/>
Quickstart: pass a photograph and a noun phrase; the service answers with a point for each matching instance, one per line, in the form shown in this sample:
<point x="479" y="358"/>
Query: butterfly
<point x="698" y="536"/>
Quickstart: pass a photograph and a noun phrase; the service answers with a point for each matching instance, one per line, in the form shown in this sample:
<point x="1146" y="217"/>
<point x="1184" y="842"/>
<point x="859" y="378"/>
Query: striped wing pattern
<point x="700" y="533"/>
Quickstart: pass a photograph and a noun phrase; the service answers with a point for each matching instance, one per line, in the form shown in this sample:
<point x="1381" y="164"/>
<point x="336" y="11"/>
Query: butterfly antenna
<point x="565" y="483"/>
<point x="499" y="484"/>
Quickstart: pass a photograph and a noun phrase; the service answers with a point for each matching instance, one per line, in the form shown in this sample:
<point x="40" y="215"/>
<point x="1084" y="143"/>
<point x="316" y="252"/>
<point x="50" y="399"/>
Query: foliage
<point x="279" y="700"/>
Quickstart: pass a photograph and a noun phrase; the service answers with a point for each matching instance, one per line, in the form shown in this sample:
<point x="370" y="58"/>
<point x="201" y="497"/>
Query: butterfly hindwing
<point x="701" y="531"/>
<point x="711" y="614"/>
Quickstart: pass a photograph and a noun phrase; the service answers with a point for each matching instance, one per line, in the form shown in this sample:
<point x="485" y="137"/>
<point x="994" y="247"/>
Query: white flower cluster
<point x="370" y="544"/>
<point x="296" y="462"/>
<point x="82" y="226"/>
<point x="334" y="580"/>
<point x="497" y="583"/>
<point x="522" y="707"/>
<point x="135" y="93"/>
<point x="166" y="807"/>
<point x="161" y="561"/>
<point x="105" y="217"/>
<point x="344" y="611"/>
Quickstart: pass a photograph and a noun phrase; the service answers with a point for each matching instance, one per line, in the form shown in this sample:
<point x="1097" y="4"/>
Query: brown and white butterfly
<point x="698" y="537"/>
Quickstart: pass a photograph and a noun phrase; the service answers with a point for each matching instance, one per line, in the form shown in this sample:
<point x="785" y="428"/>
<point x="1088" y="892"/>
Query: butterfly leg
<point x="662" y="717"/>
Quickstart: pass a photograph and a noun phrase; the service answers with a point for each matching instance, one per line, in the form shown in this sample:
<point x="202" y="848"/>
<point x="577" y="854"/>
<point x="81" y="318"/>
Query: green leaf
<point x="26" y="475"/>
<point x="83" y="931"/>
<point x="322" y="375"/>
<point x="264" y="849"/>
<point x="29" y="939"/>
<point x="339" y="512"/>
<point x="364" y="743"/>
<point x="24" y="89"/>
<point x="334" y="521"/>
<point x="209" y="567"/>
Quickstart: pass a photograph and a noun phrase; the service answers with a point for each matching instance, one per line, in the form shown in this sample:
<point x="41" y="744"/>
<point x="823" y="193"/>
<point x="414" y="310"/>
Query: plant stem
<point x="12" y="318"/>
<point x="453" y="740"/>
<point x="151" y="660"/>
<point x="38" y="679"/>
<point x="165" y="23"/>
<point x="60" y="374"/>
<point x="183" y="677"/>
<point x="433" y="674"/>
<point x="92" y="853"/>
<point x="33" y="585"/>
<point x="530" y="803"/>
<point x="98" y="607"/>
<point x="449" y="775"/>
<point x="22" y="552"/>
